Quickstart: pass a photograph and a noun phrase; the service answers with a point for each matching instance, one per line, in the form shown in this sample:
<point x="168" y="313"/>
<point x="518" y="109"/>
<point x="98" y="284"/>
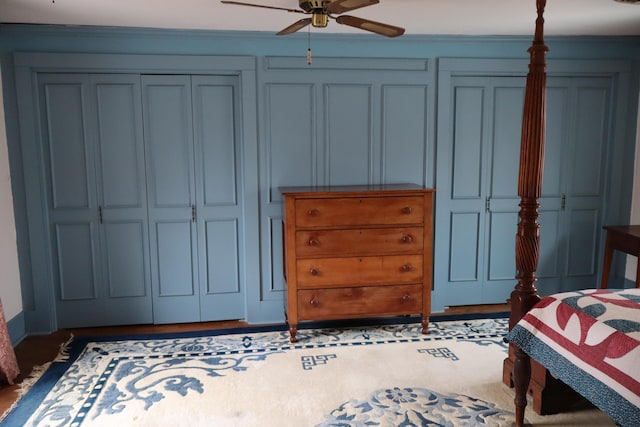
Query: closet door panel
<point x="71" y="197"/>
<point x="501" y="241"/>
<point x="500" y="268"/>
<point x="216" y="136"/>
<point x="348" y="124"/>
<point x="556" y="139"/>
<point x="591" y="132"/>
<point x="505" y="134"/>
<point x="585" y="181"/>
<point x="66" y="133"/>
<point x="463" y="192"/>
<point x="465" y="250"/>
<point x="467" y="145"/>
<point x="78" y="294"/>
<point x="583" y="243"/>
<point x="550" y="253"/>
<point x="168" y="135"/>
<point x="221" y="272"/>
<point x="76" y="262"/>
<point x="168" y="132"/>
<point x="73" y="210"/>
<point x="175" y="260"/>
<point x="119" y="132"/>
<point x="404" y="133"/>
<point x="291" y="126"/>
<point x="126" y="267"/>
<point x="506" y="130"/>
<point x="219" y="197"/>
<point x="122" y="197"/>
<point x="552" y="231"/>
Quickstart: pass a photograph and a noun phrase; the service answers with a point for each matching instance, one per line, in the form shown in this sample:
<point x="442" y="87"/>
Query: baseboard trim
<point x="16" y="327"/>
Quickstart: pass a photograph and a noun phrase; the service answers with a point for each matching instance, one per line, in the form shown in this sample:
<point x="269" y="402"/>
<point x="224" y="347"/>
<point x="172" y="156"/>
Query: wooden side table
<point x="625" y="238"/>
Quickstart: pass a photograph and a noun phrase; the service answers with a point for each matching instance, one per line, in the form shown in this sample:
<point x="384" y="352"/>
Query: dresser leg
<point x="293" y="330"/>
<point x="425" y="325"/>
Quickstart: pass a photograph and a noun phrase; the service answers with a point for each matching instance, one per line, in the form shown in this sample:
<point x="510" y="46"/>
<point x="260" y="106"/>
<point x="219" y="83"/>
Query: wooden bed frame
<point x="518" y="366"/>
<point x="520" y="370"/>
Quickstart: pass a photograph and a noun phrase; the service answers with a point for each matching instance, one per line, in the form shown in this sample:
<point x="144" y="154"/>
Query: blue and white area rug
<point x="388" y="375"/>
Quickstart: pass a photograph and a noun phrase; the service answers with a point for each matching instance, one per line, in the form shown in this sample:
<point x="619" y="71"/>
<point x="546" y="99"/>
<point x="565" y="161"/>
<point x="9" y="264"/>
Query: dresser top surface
<point x="334" y="190"/>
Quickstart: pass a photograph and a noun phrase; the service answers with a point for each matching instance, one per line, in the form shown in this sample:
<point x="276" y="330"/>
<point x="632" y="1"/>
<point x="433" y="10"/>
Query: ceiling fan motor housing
<point x="313" y="5"/>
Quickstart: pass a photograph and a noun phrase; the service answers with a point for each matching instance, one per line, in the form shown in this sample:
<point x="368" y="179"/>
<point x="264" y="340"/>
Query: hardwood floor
<point x="38" y="350"/>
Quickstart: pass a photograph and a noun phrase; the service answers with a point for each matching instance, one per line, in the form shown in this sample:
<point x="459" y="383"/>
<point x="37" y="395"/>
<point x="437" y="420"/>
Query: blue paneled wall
<point x="367" y="110"/>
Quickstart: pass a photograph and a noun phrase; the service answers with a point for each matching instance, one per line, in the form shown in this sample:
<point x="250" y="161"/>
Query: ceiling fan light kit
<point x="322" y="10"/>
<point x="319" y="20"/>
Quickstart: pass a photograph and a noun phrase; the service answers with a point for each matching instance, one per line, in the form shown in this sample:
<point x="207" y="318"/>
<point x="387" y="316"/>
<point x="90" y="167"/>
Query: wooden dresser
<point x="357" y="251"/>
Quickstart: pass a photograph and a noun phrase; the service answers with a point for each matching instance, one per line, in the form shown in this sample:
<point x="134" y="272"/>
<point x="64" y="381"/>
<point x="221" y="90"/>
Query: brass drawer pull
<point x="407" y="210"/>
<point x="314" y="242"/>
<point x="314" y="271"/>
<point x="406" y="268"/>
<point x="407" y="238"/>
<point x="313" y="212"/>
<point x="406" y="298"/>
<point x="315" y="302"/>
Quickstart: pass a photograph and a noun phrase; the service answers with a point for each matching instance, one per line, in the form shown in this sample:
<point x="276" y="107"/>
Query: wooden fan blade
<point x="260" y="5"/>
<point x="368" y="25"/>
<point x="342" y="6"/>
<point x="295" y="27"/>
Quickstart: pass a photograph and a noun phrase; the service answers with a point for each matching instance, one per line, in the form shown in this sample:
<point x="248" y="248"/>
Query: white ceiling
<point x="437" y="17"/>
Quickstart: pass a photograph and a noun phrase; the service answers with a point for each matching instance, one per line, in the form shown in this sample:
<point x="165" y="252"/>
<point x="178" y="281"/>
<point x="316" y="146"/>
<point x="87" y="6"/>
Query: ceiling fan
<point x="322" y="10"/>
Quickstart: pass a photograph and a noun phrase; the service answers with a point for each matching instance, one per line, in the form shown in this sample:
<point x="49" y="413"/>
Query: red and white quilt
<point x="590" y="340"/>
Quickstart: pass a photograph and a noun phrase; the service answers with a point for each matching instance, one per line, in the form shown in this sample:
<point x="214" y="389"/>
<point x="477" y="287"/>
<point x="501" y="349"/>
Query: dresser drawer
<point x="333" y="272"/>
<point x="354" y="211"/>
<point x="359" y="301"/>
<point x="367" y="241"/>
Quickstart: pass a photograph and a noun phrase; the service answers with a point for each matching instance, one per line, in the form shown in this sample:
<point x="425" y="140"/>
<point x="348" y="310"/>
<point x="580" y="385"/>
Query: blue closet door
<point x="196" y="198"/>
<point x="477" y="201"/>
<point x="477" y="197"/>
<point x="73" y="208"/>
<point x="553" y="242"/>
<point x="582" y="145"/>
<point x="98" y="223"/>
<point x="168" y="134"/>
<point x="585" y="182"/>
<point x="502" y="192"/>
<point x="219" y="197"/>
<point x="122" y="212"/>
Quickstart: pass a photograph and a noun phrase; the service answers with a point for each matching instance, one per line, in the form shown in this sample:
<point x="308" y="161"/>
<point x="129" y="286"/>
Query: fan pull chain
<point x="309" y="46"/>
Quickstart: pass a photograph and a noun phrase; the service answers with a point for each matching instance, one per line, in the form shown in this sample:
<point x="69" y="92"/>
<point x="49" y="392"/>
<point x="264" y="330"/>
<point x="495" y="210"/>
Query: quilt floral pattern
<point x="590" y="340"/>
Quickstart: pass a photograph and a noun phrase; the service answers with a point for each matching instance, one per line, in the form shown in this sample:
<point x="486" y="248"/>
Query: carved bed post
<point x="525" y="294"/>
